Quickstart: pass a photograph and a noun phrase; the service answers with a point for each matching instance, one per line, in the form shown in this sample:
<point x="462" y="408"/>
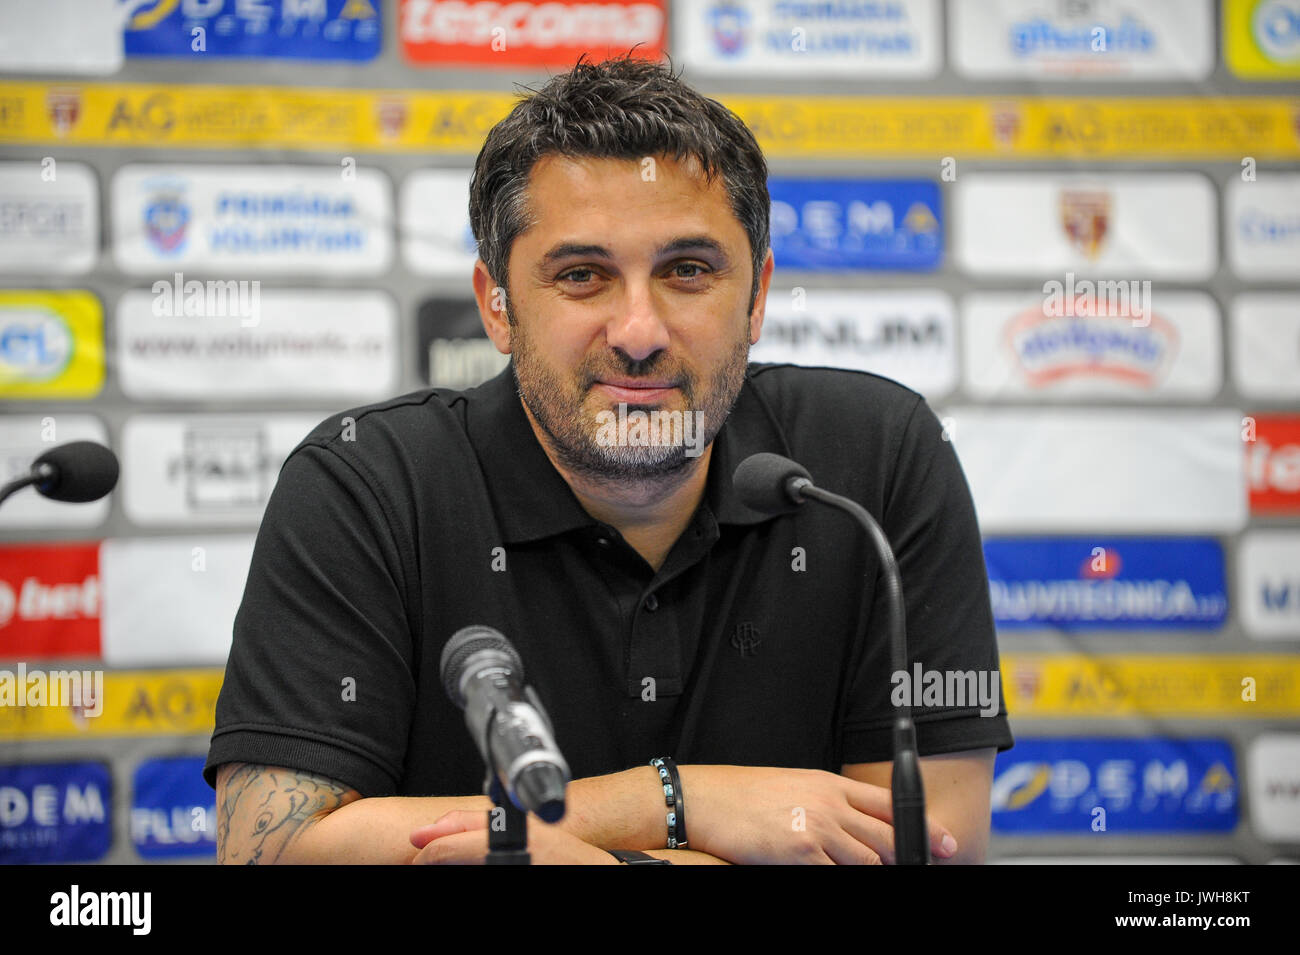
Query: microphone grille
<point x="83" y="471"/>
<point x="463" y="644"/>
<point x="760" y="482"/>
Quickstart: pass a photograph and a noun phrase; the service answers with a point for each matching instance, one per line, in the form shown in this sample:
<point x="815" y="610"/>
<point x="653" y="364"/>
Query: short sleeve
<point x="320" y="673"/>
<point x="929" y="519"/>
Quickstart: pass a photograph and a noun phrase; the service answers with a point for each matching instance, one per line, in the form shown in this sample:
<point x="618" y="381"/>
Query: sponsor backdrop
<point x="1073" y="226"/>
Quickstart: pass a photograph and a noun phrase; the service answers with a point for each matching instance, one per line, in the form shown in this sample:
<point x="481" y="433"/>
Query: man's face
<point x="629" y="294"/>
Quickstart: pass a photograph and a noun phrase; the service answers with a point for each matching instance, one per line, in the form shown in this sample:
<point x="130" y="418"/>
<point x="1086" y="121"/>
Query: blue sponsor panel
<point x="1095" y="785"/>
<point x="173" y="811"/>
<point x="848" y="225"/>
<point x="1080" y="583"/>
<point x="276" y="29"/>
<point x="55" y="812"/>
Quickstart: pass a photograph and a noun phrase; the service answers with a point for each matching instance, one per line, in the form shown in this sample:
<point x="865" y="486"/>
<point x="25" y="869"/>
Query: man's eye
<point x="699" y="270"/>
<point x="568" y="276"/>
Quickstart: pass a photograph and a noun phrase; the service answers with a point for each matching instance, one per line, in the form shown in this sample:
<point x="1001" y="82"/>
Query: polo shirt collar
<point x="532" y="499"/>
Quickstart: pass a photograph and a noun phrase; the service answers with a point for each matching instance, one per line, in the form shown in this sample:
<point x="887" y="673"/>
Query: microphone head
<point x="465" y="643"/>
<point x="82" y="471"/>
<point x="762" y="483"/>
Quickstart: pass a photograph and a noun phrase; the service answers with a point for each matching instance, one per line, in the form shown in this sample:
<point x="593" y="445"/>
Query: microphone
<point x="483" y="675"/>
<point x="76" y="472"/>
<point x="771" y="484"/>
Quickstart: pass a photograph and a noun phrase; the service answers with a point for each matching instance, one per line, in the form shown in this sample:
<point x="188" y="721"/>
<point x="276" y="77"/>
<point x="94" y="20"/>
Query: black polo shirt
<point x="760" y="641"/>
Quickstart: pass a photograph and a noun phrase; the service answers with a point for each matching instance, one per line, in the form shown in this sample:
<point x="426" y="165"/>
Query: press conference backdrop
<point x="1073" y="225"/>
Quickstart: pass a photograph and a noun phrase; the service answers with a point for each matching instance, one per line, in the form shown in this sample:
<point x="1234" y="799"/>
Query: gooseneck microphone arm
<point x="38" y="474"/>
<point x="911" y="838"/>
<point x="771" y="484"/>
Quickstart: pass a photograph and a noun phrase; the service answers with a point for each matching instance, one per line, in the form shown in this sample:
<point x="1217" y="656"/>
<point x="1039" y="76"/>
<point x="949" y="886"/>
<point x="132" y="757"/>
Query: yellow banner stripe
<point x="386" y="121"/>
<point x="136" y="703"/>
<point x="1240" y="687"/>
<point x="183" y="702"/>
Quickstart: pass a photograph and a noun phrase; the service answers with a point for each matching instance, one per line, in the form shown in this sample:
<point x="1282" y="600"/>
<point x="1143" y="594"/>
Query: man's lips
<point x="636" y="391"/>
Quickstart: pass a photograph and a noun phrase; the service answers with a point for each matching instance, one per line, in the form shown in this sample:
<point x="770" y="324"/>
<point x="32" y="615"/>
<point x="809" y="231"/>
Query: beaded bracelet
<point x="674" y="800"/>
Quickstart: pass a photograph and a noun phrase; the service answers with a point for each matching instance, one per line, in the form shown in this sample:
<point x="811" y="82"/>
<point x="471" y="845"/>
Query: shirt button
<point x="602" y="541"/>
<point x="652" y="603"/>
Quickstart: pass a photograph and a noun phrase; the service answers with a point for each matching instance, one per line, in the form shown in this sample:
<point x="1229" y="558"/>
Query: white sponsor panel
<point x="24" y="438"/>
<point x="270" y="219"/>
<point x="1122" y="471"/>
<point x="1263" y="225"/>
<point x="49" y="217"/>
<point x="63" y="36"/>
<point x="1017" y="345"/>
<point x="1100" y="39"/>
<point x="904" y="335"/>
<point x="171" y="601"/>
<point x="436" y="237"/>
<point x="805" y="38"/>
<point x="305" y="344"/>
<point x="1266" y="345"/>
<point x="1273" y="763"/>
<point x="1268" y="589"/>
<point x="215" y="469"/>
<point x="1131" y="226"/>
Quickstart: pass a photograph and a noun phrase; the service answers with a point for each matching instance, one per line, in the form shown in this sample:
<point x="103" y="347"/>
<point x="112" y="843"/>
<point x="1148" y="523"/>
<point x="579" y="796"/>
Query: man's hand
<point x="750" y="815"/>
<point x="461" y="838"/>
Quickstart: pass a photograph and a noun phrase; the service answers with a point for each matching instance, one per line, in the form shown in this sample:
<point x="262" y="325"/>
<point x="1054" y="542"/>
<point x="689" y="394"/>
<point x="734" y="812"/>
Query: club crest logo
<point x="64" y="109"/>
<point x="1085" y="216"/>
<point x="730" y="25"/>
<point x="391" y="114"/>
<point x="166" y="223"/>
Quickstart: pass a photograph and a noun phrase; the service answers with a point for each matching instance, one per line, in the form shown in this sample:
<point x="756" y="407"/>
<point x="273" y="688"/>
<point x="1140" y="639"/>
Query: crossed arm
<point x="737" y="814"/>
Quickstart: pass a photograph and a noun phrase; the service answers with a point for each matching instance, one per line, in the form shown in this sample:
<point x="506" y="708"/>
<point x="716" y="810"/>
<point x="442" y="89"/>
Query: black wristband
<point x="636" y="857"/>
<point x="674" y="799"/>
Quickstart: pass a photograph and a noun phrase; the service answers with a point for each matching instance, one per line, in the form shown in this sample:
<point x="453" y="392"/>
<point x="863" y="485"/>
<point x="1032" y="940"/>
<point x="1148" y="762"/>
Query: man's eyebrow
<point x="683" y="244"/>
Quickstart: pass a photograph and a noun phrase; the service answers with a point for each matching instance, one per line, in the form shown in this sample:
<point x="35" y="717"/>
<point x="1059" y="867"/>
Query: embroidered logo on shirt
<point x="745" y="639"/>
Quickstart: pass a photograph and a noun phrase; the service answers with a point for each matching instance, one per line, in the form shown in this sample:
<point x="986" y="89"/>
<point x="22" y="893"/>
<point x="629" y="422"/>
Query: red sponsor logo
<point x="492" y="33"/>
<point x="1273" y="464"/>
<point x="49" y="601"/>
<point x="1102" y="565"/>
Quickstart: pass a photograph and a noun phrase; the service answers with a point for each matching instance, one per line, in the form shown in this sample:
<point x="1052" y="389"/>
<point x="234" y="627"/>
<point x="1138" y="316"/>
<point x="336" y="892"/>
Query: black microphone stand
<point x="911" y="838"/>
<point x="507" y="843"/>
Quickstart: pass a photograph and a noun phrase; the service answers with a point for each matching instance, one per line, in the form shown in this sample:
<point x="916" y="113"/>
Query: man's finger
<point x="456" y="848"/>
<point x="878" y="802"/>
<point x="458" y="820"/>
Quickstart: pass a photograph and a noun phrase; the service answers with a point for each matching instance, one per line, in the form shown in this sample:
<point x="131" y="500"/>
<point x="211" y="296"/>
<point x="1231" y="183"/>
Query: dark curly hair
<point x="623" y="108"/>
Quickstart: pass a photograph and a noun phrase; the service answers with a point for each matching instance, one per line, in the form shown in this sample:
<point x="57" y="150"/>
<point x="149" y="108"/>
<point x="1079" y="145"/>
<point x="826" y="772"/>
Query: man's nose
<point x="637" y="327"/>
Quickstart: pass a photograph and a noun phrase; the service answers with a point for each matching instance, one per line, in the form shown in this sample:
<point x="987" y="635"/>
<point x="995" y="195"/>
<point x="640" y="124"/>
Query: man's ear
<point x="760" y="300"/>
<point x="491" y="300"/>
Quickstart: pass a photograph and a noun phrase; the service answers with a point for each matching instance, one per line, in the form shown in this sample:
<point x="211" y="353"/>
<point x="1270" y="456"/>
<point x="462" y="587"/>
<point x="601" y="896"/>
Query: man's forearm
<point x="619" y="811"/>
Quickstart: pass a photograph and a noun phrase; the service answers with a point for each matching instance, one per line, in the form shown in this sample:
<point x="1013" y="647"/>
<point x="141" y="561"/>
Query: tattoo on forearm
<point x="264" y="807"/>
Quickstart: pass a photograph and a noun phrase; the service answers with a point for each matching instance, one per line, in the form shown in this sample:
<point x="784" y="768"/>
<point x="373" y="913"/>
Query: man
<point x="622" y="222"/>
